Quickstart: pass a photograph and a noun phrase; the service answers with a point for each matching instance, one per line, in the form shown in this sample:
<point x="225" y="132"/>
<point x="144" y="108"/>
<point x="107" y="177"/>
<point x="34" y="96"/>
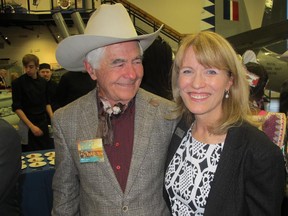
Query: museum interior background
<point x="37" y="26"/>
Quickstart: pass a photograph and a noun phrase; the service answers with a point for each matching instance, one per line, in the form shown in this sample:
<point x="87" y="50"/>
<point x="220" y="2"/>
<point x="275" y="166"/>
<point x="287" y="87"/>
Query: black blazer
<point x="250" y="177"/>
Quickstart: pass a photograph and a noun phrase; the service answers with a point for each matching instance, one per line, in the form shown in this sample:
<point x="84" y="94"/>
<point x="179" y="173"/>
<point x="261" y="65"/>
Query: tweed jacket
<point x="92" y="188"/>
<point x="250" y="177"/>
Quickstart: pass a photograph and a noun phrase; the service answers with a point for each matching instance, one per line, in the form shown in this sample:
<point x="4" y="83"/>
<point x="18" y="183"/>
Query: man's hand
<point x="36" y="131"/>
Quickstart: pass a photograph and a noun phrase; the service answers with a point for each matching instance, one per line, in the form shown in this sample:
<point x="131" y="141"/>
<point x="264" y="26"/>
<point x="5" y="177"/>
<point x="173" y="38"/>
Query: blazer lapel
<point x="144" y="117"/>
<point x="230" y="158"/>
<point x="89" y="115"/>
<point x="178" y="134"/>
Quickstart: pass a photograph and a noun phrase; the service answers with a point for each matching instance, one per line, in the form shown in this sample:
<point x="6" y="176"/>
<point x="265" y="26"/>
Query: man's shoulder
<point x="41" y="79"/>
<point x="162" y="107"/>
<point x="20" y="78"/>
<point x="81" y="103"/>
<point x="153" y="99"/>
<point x="19" y="81"/>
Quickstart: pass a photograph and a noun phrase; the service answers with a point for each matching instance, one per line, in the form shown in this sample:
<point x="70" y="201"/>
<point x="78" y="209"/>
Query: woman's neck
<point x="202" y="133"/>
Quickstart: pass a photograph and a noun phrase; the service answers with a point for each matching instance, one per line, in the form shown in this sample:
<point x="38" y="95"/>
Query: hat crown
<point x="111" y="21"/>
<point x="109" y="24"/>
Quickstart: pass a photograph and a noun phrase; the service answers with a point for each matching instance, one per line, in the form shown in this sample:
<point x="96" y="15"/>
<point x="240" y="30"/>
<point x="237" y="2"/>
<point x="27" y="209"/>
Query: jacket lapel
<point x="89" y="115"/>
<point x="144" y="117"/>
<point x="230" y="159"/>
<point x="178" y="134"/>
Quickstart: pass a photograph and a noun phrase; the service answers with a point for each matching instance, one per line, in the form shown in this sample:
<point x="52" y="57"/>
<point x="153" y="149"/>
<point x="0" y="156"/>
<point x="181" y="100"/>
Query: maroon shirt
<point x="120" y="153"/>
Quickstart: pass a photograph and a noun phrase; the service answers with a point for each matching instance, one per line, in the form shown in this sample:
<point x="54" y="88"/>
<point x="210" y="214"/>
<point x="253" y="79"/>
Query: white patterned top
<point x="189" y="175"/>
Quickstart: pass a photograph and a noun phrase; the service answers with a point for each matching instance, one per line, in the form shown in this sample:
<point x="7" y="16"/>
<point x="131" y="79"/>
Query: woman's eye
<point x="185" y="71"/>
<point x="210" y="71"/>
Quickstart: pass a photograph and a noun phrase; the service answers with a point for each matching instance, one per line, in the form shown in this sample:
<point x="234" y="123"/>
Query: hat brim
<point x="71" y="52"/>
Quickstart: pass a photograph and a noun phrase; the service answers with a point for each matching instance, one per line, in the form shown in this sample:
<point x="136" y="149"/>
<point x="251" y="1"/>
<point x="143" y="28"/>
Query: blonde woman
<point x="218" y="162"/>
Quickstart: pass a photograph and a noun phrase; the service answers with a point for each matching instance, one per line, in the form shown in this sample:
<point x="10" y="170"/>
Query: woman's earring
<point x="226" y="94"/>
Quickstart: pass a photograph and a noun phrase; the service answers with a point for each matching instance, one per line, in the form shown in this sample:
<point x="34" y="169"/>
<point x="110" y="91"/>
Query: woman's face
<point x="202" y="89"/>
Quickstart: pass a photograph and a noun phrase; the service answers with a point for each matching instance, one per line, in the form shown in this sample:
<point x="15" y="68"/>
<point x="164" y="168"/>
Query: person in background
<point x="73" y="85"/>
<point x="10" y="168"/>
<point x="218" y="163"/>
<point x="111" y="144"/>
<point x="46" y="72"/>
<point x="272" y="123"/>
<point x="3" y="75"/>
<point x="157" y="62"/>
<point x="30" y="102"/>
<point x="258" y="79"/>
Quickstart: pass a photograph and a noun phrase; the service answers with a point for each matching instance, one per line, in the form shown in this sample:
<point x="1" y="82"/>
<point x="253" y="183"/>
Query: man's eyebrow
<point x="139" y="57"/>
<point x="117" y="61"/>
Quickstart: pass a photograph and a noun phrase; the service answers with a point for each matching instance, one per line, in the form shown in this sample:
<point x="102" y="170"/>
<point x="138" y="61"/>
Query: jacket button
<point x="125" y="208"/>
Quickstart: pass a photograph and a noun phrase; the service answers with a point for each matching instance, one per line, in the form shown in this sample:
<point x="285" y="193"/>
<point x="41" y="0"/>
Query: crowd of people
<point x="189" y="143"/>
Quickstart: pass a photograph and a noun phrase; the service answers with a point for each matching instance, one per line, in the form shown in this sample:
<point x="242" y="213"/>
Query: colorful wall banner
<point x="231" y="10"/>
<point x="208" y="15"/>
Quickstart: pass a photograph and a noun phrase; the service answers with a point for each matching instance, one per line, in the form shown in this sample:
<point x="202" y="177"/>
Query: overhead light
<point x="5" y="38"/>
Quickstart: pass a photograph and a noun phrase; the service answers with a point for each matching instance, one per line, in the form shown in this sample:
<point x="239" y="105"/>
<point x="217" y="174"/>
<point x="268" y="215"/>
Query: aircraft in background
<point x="276" y="66"/>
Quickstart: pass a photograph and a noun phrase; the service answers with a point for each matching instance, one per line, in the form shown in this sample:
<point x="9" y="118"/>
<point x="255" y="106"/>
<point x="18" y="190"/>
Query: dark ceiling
<point x="253" y="39"/>
<point x="14" y="19"/>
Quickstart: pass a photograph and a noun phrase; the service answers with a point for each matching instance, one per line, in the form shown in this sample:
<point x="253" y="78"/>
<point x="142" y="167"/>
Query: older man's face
<point x="120" y="72"/>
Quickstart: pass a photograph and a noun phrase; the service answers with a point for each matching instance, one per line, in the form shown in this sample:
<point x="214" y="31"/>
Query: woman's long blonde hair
<point x="212" y="50"/>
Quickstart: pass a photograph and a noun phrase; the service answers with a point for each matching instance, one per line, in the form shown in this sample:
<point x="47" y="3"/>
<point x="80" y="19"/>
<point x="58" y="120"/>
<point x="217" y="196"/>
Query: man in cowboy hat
<point x="110" y="144"/>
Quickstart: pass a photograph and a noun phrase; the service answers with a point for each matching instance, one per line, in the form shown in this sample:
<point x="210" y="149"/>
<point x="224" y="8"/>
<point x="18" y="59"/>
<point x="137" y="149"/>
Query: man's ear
<point x="90" y="70"/>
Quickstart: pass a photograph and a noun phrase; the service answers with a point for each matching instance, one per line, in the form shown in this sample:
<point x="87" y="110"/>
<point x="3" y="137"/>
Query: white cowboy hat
<point x="109" y="24"/>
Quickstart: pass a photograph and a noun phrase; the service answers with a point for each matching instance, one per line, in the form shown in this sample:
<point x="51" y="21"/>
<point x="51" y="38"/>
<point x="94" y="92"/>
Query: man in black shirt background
<point x="31" y="103"/>
<point x="45" y="71"/>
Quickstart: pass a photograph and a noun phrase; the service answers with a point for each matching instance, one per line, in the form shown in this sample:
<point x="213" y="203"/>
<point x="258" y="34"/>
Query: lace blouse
<point x="189" y="175"/>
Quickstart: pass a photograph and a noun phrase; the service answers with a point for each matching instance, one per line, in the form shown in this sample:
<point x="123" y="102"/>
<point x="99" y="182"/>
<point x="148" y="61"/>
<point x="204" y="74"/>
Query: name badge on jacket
<point x="90" y="151"/>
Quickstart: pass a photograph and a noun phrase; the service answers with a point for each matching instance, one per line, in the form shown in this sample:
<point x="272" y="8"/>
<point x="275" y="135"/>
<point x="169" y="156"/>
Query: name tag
<point x="91" y="151"/>
<point x="179" y="132"/>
